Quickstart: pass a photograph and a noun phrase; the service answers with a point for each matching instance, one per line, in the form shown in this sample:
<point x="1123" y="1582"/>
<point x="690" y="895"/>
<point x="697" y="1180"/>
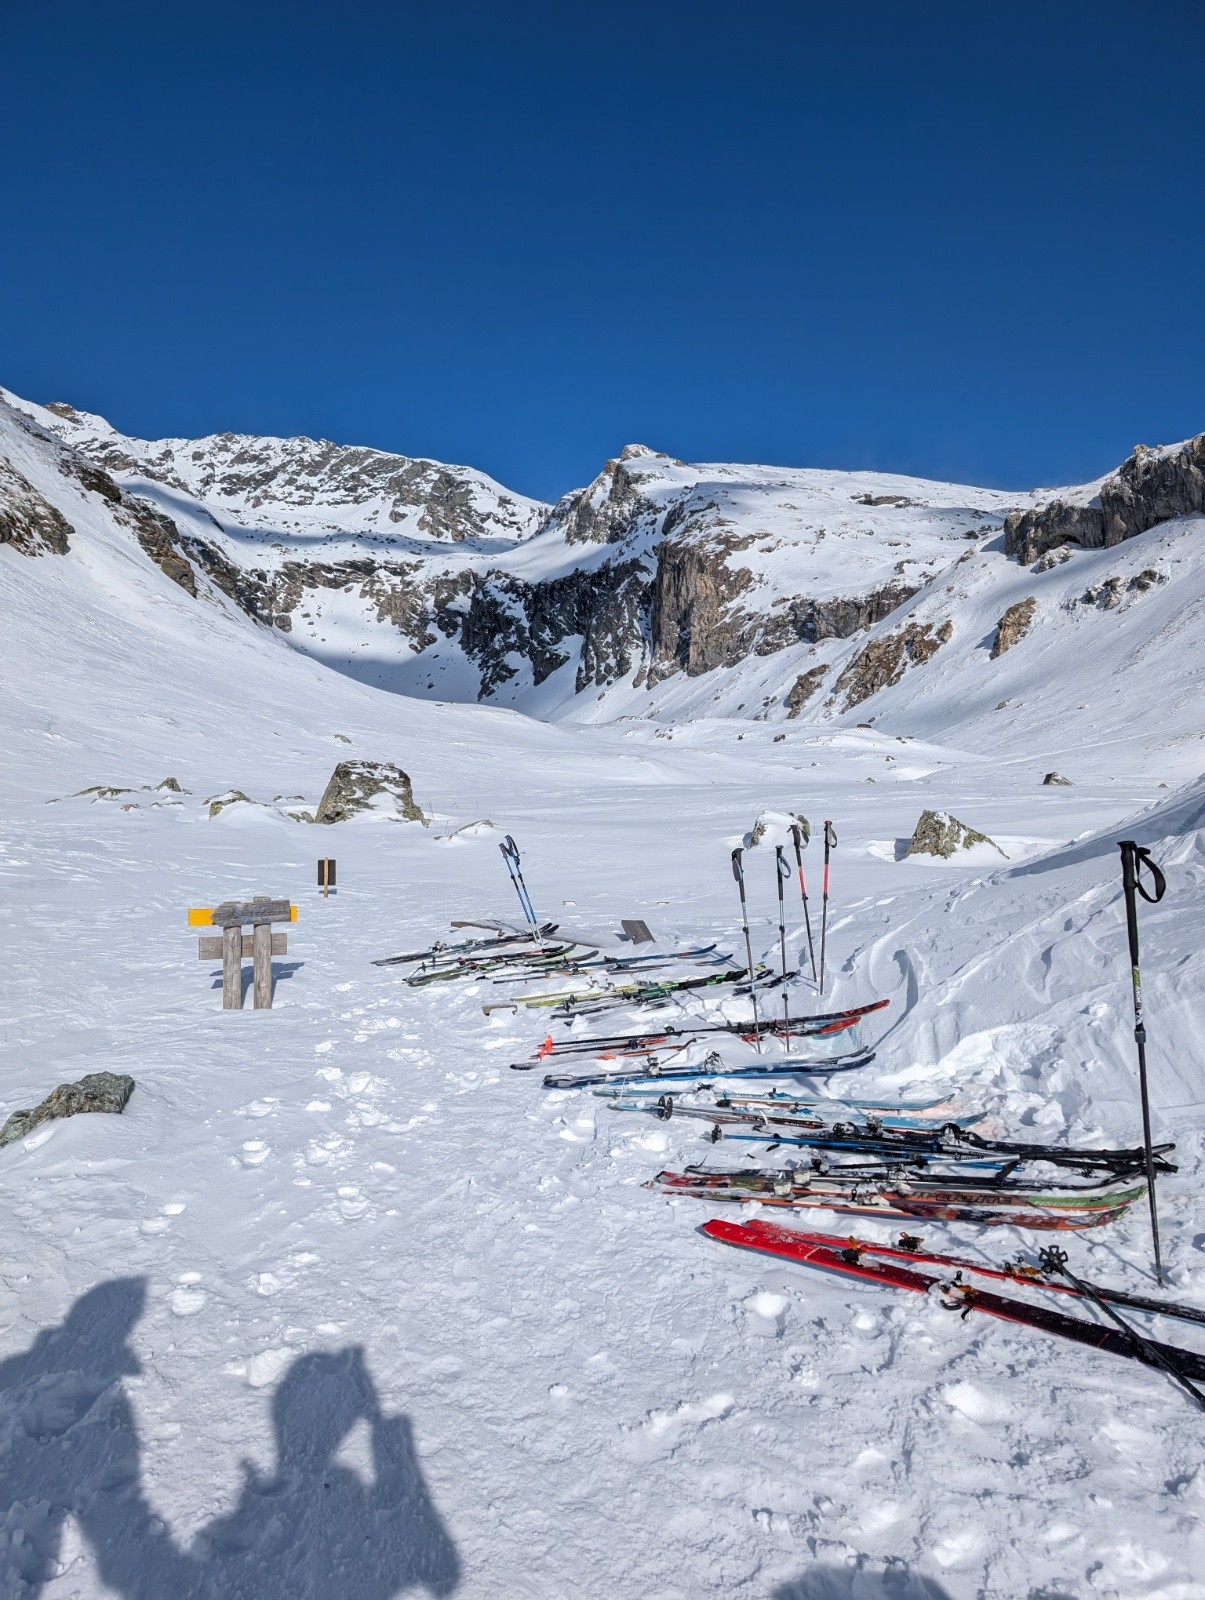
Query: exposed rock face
<point x="1014" y="625"/>
<point x="1056" y="779"/>
<point x="655" y="568"/>
<point x="377" y="786"/>
<point x="692" y="628"/>
<point x="606" y="510"/>
<point x="695" y="624"/>
<point x="802" y="690"/>
<point x="98" y="1091"/>
<point x="1151" y="486"/>
<point x="246" y="475"/>
<point x="28" y="522"/>
<point x="161" y="539"/>
<point x="885" y="661"/>
<point x="937" y="833"/>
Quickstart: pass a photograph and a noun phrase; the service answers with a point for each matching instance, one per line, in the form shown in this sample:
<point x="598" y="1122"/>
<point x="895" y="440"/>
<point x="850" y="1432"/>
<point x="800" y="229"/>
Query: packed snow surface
<point x="342" y="1306"/>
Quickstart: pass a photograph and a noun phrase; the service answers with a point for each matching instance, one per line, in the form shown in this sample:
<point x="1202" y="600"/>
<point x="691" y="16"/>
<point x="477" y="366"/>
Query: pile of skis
<point x="910" y="1161"/>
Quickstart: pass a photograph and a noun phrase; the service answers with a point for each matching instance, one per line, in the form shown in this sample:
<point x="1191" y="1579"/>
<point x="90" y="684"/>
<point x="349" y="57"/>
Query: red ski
<point x="852" y="1262"/>
<point x="909" y="1249"/>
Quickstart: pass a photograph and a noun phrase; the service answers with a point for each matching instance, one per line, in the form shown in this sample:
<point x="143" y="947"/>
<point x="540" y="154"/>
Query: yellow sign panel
<point x="202" y="916"/>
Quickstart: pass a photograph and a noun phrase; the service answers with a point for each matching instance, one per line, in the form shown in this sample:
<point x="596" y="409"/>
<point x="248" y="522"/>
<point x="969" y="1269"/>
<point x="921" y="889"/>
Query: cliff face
<point x="663" y="589"/>
<point x="653" y="570"/>
<point x="1150" y="487"/>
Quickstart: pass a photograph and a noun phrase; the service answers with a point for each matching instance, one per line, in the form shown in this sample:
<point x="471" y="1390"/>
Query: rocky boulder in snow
<point x="377" y="786"/>
<point x="937" y="833"/>
<point x="233" y="797"/>
<point x="98" y="1091"/>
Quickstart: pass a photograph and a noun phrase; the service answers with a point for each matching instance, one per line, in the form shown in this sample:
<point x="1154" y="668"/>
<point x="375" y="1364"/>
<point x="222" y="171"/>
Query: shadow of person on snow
<point x="858" y="1583"/>
<point x="310" y="1530"/>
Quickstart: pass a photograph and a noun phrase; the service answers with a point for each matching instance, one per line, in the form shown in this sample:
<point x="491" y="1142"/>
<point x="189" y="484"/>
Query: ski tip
<point x="728" y="1232"/>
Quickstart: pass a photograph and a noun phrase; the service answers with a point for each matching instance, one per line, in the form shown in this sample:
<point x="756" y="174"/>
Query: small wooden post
<point x="232" y="968"/>
<point x="261" y="946"/>
<point x="326" y="875"/>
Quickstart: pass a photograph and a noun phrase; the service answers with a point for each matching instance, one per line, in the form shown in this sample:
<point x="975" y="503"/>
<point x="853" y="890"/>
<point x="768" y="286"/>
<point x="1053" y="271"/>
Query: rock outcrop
<point x="233" y="797"/>
<point x="884" y="661"/>
<point x="803" y="689"/>
<point x="1115" y="590"/>
<point x="28" y="521"/>
<point x="1014" y="625"/>
<point x="605" y="511"/>
<point x="1056" y="780"/>
<point x="937" y="833"/>
<point x="1150" y="486"/>
<point x="359" y="786"/>
<point x="98" y="1091"/>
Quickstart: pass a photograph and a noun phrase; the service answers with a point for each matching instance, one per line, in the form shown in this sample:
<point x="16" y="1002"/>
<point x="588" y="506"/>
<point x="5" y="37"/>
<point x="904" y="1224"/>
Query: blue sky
<point x="960" y="239"/>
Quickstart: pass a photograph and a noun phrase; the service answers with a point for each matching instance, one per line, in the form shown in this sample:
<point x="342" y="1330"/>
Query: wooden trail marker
<point x="326" y="875"/>
<point x="234" y="944"/>
<point x="211" y="949"/>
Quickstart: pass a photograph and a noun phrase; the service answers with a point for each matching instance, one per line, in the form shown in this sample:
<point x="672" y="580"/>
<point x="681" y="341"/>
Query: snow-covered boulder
<point x="937" y="833"/>
<point x="376" y="786"/>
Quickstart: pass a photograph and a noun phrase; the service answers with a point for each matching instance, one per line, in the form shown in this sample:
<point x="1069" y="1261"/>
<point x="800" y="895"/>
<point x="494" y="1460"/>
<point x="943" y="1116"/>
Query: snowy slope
<point x="371" y="1314"/>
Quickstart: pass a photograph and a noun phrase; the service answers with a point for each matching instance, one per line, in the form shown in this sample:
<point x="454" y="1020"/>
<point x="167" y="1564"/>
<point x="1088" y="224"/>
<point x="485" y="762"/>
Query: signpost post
<point x="326" y="875"/>
<point x="233" y="945"/>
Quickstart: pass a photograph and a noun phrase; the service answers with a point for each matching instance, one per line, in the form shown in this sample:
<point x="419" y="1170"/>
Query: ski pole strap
<point x="738" y="871"/>
<point x="830" y="836"/>
<point x="1133" y="859"/>
<point x="784" y="866"/>
<point x="510" y="850"/>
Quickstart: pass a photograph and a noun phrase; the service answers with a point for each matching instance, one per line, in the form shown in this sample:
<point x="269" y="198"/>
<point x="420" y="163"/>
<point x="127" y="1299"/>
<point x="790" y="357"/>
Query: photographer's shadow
<point x="309" y="1530"/>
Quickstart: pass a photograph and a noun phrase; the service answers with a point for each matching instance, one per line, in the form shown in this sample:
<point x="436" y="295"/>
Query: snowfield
<point x="342" y="1307"/>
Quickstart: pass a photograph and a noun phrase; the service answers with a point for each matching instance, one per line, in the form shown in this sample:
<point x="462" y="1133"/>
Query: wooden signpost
<point x="326" y="875"/>
<point x="234" y="944"/>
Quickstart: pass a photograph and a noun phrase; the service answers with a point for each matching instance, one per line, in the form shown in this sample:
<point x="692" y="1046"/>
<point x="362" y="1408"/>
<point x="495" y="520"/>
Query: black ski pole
<point x="783" y="873"/>
<point x="738" y="872"/>
<point x="510" y="854"/>
<point x="1133" y="859"/>
<point x="801" y="835"/>
<point x="1054" y="1262"/>
<point x="830" y="841"/>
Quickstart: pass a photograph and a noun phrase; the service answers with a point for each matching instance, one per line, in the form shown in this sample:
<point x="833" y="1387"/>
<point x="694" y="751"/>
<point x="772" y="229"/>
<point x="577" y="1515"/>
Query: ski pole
<point x="830" y="841"/>
<point x="510" y="854"/>
<point x="784" y="872"/>
<point x="1133" y="859"/>
<point x="801" y="837"/>
<point x="1054" y="1262"/>
<point x="738" y="872"/>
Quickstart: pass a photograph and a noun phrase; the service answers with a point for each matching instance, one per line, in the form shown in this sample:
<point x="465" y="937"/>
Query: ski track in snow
<point x="534" y="1377"/>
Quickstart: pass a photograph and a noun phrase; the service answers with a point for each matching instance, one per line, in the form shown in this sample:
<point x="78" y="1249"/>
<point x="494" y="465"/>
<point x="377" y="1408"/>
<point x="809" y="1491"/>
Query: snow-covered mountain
<point x="349" y="1208"/>
<point x="674" y="592"/>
